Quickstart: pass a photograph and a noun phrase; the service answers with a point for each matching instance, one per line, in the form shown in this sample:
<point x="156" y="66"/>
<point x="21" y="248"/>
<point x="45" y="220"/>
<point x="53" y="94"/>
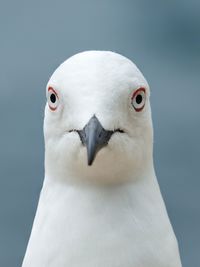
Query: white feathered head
<point x="97" y="119"/>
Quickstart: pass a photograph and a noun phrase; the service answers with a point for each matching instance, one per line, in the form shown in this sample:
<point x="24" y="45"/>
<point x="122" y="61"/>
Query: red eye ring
<point x="141" y="92"/>
<point x="52" y="103"/>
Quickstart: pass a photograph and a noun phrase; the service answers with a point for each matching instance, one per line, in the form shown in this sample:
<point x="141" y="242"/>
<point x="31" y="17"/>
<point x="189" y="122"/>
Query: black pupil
<point x="53" y="98"/>
<point x="138" y="99"/>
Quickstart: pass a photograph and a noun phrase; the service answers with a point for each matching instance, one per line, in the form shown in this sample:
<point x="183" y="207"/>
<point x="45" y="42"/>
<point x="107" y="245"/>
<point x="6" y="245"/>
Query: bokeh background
<point x="161" y="37"/>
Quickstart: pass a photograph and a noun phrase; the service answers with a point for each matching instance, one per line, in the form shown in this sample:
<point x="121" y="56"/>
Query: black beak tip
<point x="90" y="162"/>
<point x="90" y="159"/>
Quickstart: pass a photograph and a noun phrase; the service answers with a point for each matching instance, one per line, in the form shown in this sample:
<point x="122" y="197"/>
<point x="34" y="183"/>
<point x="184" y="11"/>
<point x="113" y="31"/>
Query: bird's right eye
<point x="52" y="99"/>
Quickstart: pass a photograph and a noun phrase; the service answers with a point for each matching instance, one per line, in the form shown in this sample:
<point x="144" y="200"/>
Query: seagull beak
<point x="94" y="137"/>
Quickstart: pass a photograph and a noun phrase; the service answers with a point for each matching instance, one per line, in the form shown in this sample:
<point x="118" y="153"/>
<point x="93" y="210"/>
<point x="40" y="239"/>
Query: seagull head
<point x="97" y="124"/>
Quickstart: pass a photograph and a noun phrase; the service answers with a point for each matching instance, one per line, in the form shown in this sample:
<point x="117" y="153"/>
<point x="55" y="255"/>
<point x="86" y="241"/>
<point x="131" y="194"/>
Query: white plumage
<point x="109" y="214"/>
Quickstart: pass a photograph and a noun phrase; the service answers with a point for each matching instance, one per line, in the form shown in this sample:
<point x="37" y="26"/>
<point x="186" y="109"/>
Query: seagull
<point x="100" y="204"/>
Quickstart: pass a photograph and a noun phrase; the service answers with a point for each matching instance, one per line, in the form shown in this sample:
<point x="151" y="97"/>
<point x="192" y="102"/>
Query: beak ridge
<point x="94" y="137"/>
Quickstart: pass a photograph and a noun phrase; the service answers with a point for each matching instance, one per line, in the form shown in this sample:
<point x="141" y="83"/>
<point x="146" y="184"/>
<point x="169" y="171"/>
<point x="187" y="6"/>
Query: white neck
<point x="103" y="225"/>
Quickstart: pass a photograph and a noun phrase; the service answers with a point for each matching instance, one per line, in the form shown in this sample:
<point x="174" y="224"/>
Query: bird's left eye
<point x="138" y="99"/>
<point x="52" y="99"/>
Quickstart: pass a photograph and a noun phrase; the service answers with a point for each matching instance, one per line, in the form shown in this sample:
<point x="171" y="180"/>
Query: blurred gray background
<point x="161" y="37"/>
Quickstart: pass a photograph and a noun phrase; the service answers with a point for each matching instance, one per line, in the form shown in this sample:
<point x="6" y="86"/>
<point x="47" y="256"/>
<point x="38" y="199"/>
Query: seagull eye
<point x="52" y="99"/>
<point x="138" y="99"/>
